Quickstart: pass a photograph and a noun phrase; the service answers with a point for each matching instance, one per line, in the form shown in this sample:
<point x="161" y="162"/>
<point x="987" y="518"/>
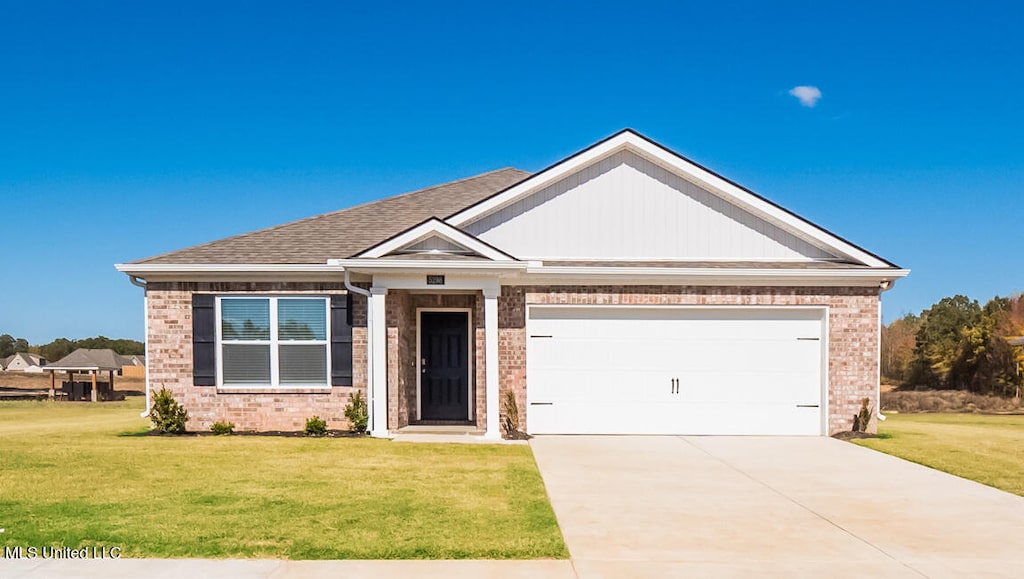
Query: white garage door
<point x="652" y="370"/>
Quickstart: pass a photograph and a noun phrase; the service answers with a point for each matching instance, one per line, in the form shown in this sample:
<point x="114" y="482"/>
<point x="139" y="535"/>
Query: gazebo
<point x="84" y="361"/>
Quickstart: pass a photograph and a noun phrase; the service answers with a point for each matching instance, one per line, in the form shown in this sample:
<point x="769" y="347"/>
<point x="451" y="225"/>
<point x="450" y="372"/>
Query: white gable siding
<point x="434" y="243"/>
<point x="626" y="207"/>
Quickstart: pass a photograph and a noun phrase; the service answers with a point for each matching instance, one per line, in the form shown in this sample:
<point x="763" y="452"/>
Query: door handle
<point x="675" y="385"/>
<point x="807" y="406"/>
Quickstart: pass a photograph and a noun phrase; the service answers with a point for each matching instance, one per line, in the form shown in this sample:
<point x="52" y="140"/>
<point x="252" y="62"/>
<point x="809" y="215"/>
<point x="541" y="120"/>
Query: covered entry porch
<point x="432" y="345"/>
<point x="432" y="355"/>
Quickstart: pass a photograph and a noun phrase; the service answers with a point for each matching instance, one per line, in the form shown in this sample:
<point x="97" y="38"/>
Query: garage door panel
<point x="657" y="370"/>
<point x="570" y="386"/>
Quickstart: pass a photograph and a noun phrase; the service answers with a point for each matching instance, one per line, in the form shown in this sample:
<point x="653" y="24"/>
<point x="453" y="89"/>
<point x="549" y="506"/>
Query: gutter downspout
<point x="884" y="286"/>
<point x="145" y="333"/>
<point x="370" y="389"/>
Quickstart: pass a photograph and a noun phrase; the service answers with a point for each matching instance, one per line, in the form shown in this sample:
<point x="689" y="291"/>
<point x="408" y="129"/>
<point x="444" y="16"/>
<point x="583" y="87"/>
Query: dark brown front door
<point x="444" y="365"/>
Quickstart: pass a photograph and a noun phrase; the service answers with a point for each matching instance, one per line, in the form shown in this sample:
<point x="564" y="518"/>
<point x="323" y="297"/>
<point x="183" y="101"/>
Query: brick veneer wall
<point x="170" y="363"/>
<point x="852" y="372"/>
<point x="852" y="330"/>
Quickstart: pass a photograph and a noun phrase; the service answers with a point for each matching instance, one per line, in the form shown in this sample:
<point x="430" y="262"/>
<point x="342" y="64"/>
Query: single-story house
<point x="24" y="362"/>
<point x="624" y="289"/>
<point x="132" y="360"/>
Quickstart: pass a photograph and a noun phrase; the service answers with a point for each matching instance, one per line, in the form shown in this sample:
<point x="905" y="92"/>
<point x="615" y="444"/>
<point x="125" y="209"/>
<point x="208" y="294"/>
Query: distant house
<point x="133" y="360"/>
<point x="133" y="366"/>
<point x="24" y="362"/>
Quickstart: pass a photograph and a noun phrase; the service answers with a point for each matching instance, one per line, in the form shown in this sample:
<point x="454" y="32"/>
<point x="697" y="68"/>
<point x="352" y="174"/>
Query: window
<point x="273" y="341"/>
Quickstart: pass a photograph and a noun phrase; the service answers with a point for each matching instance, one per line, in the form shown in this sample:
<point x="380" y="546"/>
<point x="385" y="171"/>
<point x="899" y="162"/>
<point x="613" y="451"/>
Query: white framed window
<point x="280" y="341"/>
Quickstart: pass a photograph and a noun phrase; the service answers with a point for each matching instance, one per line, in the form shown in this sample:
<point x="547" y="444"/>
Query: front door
<point x="444" y="365"/>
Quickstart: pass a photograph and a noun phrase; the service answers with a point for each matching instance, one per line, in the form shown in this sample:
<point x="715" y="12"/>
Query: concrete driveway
<point x="751" y="506"/>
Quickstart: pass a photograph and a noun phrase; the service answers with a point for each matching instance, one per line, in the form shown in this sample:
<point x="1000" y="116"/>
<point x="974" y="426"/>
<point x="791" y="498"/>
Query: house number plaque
<point x="435" y="280"/>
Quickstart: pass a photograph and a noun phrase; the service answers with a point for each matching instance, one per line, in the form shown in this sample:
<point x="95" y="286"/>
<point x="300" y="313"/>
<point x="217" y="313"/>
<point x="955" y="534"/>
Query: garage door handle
<point x="807" y="406"/>
<point x="542" y="403"/>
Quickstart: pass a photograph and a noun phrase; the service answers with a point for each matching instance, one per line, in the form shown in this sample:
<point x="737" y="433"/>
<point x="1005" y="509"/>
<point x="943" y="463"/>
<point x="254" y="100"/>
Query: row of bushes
<point x="170" y="417"/>
<point x="946" y="401"/>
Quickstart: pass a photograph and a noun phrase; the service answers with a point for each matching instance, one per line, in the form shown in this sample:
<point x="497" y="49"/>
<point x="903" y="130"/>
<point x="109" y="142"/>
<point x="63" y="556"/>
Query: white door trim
<point x="823" y="309"/>
<point x="470" y="346"/>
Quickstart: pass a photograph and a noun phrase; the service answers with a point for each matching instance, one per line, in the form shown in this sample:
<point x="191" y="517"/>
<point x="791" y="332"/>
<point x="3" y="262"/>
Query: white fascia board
<point x="185" y="272"/>
<point x="713" y="276"/>
<point x="685" y="169"/>
<point x="78" y="368"/>
<point x="419" y="265"/>
<point x="144" y="268"/>
<point x="439" y="228"/>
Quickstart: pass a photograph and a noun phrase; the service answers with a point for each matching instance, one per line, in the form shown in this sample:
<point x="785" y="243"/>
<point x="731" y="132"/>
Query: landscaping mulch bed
<point x="277" y="433"/>
<point x="851" y="435"/>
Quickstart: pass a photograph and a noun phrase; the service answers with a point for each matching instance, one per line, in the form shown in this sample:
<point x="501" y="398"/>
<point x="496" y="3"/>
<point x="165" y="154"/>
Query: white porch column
<point x="378" y="360"/>
<point x="491" y="360"/>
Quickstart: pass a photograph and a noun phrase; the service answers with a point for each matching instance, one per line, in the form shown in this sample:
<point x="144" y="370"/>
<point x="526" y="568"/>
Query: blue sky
<point x="130" y="129"/>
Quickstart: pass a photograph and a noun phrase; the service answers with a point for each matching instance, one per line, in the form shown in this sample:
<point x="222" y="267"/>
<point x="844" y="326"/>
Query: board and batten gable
<point x="626" y="207"/>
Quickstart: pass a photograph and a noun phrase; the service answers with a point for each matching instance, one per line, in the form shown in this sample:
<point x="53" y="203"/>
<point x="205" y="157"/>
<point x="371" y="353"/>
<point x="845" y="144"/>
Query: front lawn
<point x="79" y="475"/>
<point x="985" y="448"/>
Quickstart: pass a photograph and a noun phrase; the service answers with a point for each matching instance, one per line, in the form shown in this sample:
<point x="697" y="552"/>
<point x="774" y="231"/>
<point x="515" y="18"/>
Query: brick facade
<point x="852" y="326"/>
<point x="852" y="330"/>
<point x="170" y="363"/>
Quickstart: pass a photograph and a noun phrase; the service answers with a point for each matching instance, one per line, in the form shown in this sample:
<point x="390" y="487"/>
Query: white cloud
<point x="808" y="95"/>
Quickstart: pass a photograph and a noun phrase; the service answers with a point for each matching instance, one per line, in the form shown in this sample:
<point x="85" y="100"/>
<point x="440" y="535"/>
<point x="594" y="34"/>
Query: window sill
<point x="274" y="390"/>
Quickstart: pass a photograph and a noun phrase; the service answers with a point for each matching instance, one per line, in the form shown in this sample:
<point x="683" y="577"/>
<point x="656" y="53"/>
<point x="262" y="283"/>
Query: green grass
<point x="985" y="448"/>
<point x="70" y="477"/>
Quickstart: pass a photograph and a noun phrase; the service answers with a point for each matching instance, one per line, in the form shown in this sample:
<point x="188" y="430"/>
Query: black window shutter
<point x="204" y="340"/>
<point x="341" y="340"/>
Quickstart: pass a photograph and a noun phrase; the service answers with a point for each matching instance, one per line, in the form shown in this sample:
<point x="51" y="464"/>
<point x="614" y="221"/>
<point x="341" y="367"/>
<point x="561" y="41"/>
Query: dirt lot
<point x="33" y="381"/>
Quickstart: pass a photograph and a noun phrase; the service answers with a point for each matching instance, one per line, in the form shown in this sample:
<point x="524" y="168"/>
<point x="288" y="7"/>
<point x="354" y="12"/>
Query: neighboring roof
<point x="346" y="232"/>
<point x="29" y="358"/>
<point x="88" y="359"/>
<point x="133" y="360"/>
<point x="1016" y="341"/>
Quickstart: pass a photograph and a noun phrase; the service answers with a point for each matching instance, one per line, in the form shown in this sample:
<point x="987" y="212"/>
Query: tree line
<point x="61" y="347"/>
<point x="957" y="344"/>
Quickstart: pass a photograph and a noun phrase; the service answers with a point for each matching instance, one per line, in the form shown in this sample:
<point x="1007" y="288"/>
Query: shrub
<point x="356" y="412"/>
<point x="222" y="428"/>
<point x="167" y="415"/>
<point x="316" y="426"/>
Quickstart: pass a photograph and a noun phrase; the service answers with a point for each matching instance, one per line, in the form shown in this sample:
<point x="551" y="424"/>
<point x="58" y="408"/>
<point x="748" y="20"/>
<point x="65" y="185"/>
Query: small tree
<point x="167" y="415"/>
<point x="356" y="412"/>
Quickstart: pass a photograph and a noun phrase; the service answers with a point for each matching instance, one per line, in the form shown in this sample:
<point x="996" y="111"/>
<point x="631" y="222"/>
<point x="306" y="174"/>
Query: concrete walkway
<point x="701" y="507"/>
<point x="784" y="507"/>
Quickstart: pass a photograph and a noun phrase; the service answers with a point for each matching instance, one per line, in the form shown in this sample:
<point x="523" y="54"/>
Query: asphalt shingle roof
<point x="85" y="358"/>
<point x="343" y="233"/>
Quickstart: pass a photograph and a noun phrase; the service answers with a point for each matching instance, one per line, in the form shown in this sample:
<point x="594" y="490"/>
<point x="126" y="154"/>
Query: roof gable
<point x="434" y="236"/>
<point x="624" y="182"/>
<point x="626" y="207"/>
